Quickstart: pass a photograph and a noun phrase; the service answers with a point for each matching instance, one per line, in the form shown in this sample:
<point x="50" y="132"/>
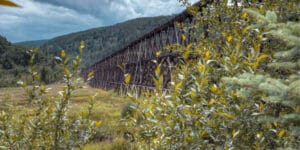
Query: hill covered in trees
<point x="36" y="43"/>
<point x="14" y="63"/>
<point x="103" y="41"/>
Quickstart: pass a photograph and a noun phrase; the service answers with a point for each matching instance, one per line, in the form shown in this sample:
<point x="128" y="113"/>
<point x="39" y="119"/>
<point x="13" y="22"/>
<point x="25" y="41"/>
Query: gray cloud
<point x="41" y="21"/>
<point x="44" y="19"/>
<point x="116" y="10"/>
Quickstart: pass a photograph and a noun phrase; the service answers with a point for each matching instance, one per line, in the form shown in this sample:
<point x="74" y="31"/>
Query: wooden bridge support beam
<point x="136" y="58"/>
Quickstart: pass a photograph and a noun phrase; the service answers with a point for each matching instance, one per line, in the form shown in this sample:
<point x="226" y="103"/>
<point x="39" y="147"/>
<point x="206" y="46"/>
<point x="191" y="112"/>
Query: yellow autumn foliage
<point x="202" y="109"/>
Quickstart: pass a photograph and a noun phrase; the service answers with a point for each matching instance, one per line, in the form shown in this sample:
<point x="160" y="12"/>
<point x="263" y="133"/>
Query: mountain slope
<point x="35" y="44"/>
<point x="14" y="63"/>
<point x="103" y="41"/>
<point x="11" y="55"/>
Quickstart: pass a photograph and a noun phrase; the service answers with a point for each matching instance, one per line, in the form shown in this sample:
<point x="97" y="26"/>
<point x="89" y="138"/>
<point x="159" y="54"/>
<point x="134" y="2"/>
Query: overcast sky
<point x="44" y="19"/>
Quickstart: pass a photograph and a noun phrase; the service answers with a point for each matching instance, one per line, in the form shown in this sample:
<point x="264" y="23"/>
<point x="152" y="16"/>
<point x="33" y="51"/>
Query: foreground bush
<point x="236" y="88"/>
<point x="46" y="123"/>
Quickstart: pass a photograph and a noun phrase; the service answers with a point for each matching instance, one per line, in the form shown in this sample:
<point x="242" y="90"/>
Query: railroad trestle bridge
<point x="137" y="57"/>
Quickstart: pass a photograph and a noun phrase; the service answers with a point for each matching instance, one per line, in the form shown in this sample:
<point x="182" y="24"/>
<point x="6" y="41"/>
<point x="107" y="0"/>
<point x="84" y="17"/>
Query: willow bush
<point x="45" y="123"/>
<point x="237" y="87"/>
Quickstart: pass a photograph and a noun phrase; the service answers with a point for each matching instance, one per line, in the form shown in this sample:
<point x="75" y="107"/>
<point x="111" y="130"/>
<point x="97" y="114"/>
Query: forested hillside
<point x="36" y="43"/>
<point x="14" y="61"/>
<point x="103" y="41"/>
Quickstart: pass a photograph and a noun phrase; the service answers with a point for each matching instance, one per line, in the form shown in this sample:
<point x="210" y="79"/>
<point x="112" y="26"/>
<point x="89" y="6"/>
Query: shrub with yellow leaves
<point x="213" y="101"/>
<point x="47" y="125"/>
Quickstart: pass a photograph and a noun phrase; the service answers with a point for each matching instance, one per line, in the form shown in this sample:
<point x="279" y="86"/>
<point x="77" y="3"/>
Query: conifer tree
<point x="278" y="83"/>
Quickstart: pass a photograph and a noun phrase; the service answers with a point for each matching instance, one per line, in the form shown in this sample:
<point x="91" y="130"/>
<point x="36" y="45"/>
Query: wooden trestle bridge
<point x="136" y="58"/>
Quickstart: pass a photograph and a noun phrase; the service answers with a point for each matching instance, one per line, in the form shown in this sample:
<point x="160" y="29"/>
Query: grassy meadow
<point x="107" y="109"/>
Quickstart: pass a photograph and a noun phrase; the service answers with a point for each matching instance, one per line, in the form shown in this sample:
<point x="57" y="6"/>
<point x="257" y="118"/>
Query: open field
<point x="107" y="108"/>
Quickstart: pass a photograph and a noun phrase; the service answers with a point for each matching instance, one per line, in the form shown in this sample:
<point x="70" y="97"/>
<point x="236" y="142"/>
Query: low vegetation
<point x="237" y="87"/>
<point x="62" y="118"/>
<point x="107" y="111"/>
